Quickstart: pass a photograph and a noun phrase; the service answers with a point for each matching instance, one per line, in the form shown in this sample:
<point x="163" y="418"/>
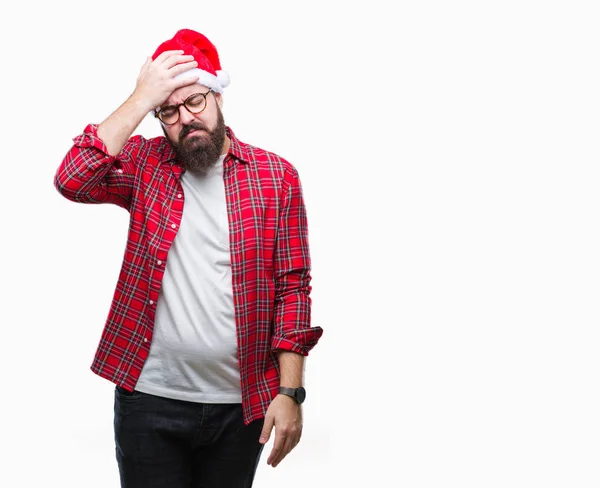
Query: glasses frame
<point x="158" y="112"/>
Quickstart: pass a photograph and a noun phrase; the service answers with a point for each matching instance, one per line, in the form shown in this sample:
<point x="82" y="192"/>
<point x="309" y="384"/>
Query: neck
<point x="226" y="144"/>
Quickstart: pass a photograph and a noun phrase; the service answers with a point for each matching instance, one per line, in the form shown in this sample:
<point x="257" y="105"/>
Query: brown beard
<point x="202" y="151"/>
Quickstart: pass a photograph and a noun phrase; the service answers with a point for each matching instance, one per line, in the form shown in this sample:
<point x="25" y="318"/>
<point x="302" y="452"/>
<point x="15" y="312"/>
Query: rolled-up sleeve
<point x="292" y="267"/>
<point x="88" y="174"/>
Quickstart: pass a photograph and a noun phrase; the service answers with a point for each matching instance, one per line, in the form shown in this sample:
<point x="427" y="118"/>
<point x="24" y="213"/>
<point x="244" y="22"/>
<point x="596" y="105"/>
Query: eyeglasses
<point x="194" y="104"/>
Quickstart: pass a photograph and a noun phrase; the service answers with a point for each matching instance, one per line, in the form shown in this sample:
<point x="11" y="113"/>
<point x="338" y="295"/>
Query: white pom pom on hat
<point x="205" y="54"/>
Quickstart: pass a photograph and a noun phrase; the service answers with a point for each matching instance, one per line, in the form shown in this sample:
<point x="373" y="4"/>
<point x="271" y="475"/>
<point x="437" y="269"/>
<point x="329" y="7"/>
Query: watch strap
<point x="298" y="394"/>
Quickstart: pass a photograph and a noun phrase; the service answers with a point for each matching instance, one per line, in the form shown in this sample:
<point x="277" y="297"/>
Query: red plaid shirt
<point x="270" y="262"/>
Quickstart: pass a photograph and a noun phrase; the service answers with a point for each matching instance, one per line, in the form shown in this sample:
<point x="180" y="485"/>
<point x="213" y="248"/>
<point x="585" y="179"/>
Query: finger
<point x="277" y="449"/>
<point x="185" y="81"/>
<point x="297" y="439"/>
<point x="266" y="430"/>
<point x="176" y="59"/>
<point x="182" y="68"/>
<point x="291" y="442"/>
<point x="167" y="54"/>
<point x="145" y="65"/>
<point x="285" y="450"/>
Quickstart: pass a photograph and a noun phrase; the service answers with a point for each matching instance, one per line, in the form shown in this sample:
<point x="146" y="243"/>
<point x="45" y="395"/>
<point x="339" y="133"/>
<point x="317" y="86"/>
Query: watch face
<point x="300" y="394"/>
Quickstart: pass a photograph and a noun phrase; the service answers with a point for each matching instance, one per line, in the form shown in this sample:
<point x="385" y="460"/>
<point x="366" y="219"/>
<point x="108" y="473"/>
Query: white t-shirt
<point x="193" y="355"/>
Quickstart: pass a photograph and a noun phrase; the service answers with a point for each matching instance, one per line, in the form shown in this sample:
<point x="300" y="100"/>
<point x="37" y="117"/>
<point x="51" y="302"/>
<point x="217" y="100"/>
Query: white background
<point x="449" y="157"/>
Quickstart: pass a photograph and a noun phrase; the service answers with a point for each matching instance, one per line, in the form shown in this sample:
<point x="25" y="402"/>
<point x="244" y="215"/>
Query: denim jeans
<point x="170" y="443"/>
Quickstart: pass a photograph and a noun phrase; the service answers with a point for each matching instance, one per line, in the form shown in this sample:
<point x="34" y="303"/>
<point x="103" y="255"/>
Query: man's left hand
<point x="286" y="416"/>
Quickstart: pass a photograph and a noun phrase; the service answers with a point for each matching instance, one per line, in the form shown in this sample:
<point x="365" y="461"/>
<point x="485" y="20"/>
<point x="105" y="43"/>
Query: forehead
<point x="182" y="93"/>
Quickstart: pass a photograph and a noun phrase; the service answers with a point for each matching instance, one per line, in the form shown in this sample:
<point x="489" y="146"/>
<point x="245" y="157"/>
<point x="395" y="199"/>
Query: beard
<point x="202" y="150"/>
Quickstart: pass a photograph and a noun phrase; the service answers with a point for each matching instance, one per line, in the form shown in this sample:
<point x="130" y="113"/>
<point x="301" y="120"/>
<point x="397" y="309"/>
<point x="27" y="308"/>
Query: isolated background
<point x="449" y="157"/>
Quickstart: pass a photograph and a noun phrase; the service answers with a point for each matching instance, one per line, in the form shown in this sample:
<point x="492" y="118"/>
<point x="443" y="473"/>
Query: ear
<point x="219" y="99"/>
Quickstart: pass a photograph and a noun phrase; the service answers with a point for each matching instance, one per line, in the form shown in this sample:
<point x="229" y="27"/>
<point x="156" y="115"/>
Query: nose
<point x="185" y="117"/>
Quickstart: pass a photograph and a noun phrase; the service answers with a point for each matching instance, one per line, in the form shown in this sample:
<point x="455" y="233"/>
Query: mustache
<point x="189" y="128"/>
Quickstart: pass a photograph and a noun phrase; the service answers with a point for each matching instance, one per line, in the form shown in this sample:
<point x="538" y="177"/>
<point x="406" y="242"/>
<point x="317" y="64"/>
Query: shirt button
<point x="173" y="225"/>
<point x="151" y="302"/>
<point x="159" y="262"/>
<point x="120" y="171"/>
<point x="179" y="195"/>
<point x="145" y="340"/>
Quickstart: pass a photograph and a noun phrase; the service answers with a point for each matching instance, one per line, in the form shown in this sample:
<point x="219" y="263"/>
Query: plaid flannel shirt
<point x="270" y="262"/>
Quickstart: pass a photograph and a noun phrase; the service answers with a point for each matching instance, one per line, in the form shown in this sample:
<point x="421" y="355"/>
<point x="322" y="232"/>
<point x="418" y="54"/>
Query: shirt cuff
<point x="301" y="341"/>
<point x="89" y="138"/>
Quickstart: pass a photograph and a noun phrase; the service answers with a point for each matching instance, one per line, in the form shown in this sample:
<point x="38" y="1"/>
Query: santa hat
<point x="205" y="54"/>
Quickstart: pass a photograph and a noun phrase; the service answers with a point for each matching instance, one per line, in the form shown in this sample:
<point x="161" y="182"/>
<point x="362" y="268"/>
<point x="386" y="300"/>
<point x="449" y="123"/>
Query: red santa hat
<point x="205" y="54"/>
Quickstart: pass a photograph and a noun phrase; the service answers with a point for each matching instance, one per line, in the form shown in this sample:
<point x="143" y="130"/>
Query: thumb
<point x="146" y="64"/>
<point x="266" y="430"/>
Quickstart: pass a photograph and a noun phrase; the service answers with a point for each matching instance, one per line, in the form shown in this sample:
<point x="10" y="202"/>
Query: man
<point x="210" y="321"/>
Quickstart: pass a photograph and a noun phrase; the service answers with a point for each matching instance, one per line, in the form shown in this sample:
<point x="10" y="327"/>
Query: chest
<point x="240" y="204"/>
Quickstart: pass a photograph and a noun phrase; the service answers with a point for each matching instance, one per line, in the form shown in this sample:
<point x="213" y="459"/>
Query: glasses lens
<point x="196" y="103"/>
<point x="169" y="115"/>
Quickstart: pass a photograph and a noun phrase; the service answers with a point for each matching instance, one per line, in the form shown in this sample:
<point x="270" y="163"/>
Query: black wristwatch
<point x="298" y="394"/>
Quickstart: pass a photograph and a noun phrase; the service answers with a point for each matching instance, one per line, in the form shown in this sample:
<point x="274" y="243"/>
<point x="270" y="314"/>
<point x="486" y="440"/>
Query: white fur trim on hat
<point x="217" y="83"/>
<point x="223" y="78"/>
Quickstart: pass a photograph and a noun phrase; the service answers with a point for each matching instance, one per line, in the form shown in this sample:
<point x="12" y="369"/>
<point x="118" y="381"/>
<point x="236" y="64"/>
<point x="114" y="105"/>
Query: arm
<point x="89" y="174"/>
<point x="154" y="85"/>
<point x="100" y="167"/>
<point x="291" y="367"/>
<point x="293" y="336"/>
<point x="292" y="329"/>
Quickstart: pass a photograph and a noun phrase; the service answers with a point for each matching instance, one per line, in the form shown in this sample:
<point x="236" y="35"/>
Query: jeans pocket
<point x="126" y="395"/>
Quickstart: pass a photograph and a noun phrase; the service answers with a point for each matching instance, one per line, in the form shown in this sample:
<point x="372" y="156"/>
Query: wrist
<point x="297" y="394"/>
<point x="141" y="103"/>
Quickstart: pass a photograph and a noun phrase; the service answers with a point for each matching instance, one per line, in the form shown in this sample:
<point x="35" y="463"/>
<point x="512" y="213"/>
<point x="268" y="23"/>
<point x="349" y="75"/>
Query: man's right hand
<point x="156" y="82"/>
<point x="154" y="85"/>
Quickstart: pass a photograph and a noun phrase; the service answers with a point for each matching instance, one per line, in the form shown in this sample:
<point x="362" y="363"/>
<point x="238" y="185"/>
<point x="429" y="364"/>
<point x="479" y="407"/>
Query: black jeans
<point x="170" y="443"/>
